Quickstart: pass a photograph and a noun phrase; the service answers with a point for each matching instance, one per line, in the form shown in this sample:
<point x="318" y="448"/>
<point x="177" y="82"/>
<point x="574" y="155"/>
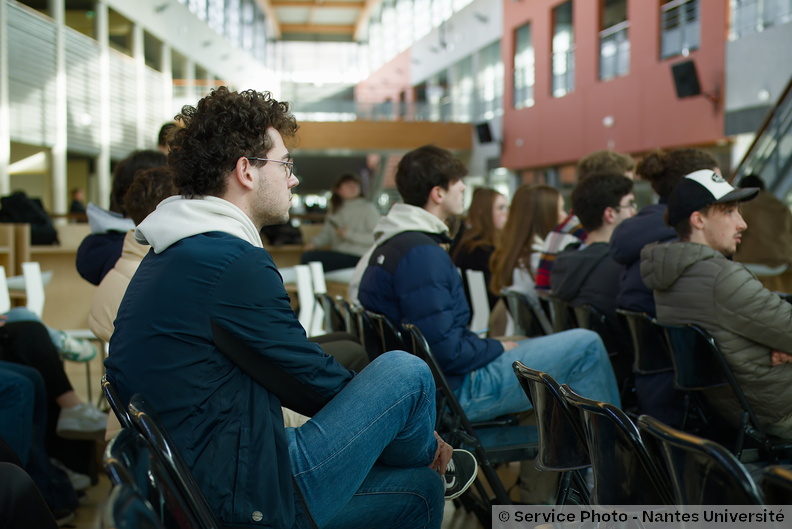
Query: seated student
<point x="409" y="277"/>
<point x="571" y="230"/>
<point x="348" y="227"/>
<point x="694" y="281"/>
<point x="584" y="273"/>
<point x="480" y="229"/>
<point x="100" y="250"/>
<point x="21" y="503"/>
<point x="368" y="456"/>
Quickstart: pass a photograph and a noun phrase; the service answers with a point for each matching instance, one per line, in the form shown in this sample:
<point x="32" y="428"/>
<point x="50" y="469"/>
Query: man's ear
<point x="609" y="215"/>
<point x="436" y="195"/>
<point x="697" y="220"/>
<point x="242" y="172"/>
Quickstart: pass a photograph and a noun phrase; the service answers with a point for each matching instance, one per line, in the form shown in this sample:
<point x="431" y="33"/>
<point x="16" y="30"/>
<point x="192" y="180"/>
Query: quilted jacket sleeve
<point x="746" y="308"/>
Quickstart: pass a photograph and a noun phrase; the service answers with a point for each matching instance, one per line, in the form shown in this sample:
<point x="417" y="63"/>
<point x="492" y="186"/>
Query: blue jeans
<point x="575" y="357"/>
<point x="363" y="460"/>
<point x="23" y="409"/>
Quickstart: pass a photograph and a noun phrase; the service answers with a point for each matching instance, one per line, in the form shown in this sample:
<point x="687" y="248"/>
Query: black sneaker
<point x="460" y="473"/>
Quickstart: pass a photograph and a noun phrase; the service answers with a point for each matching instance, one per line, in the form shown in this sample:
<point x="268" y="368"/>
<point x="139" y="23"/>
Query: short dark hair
<point x="600" y="162"/>
<point x="165" y="132"/>
<point x="223" y="127"/>
<point x="597" y="192"/>
<point x="149" y="188"/>
<point x="125" y="172"/>
<point x="421" y="169"/>
<point x="663" y="170"/>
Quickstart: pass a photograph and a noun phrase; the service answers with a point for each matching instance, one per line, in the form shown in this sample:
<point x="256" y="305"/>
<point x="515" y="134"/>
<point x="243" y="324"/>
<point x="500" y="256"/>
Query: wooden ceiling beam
<point x="362" y="19"/>
<point x="271" y="18"/>
<point x="323" y="29"/>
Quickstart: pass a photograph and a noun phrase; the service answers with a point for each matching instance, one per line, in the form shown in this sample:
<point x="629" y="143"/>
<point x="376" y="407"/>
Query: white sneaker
<point x="77" y="350"/>
<point x="79" y="481"/>
<point x="83" y="421"/>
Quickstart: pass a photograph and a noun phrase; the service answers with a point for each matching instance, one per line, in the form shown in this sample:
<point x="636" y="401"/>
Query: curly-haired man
<point x="207" y="293"/>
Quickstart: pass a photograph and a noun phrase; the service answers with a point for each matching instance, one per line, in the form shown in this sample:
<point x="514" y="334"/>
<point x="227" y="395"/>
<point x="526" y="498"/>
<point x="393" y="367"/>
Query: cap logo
<point x="717" y="178"/>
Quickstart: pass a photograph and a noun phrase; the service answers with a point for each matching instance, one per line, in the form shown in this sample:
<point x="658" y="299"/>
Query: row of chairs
<point x="648" y="463"/>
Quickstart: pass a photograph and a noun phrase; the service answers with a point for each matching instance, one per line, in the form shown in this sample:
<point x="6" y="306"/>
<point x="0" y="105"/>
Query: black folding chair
<point x="492" y="444"/>
<point x="527" y="313"/>
<point x="146" y="422"/>
<point x="561" y="314"/>
<point x="701" y="471"/>
<point x="562" y="441"/>
<point x="700" y="365"/>
<point x="649" y="347"/>
<point x="130" y="461"/>
<point x="125" y="508"/>
<point x="624" y="473"/>
<point x="115" y="403"/>
<point x="333" y="317"/>
<point x="350" y="316"/>
<point x="777" y="485"/>
<point x="378" y="334"/>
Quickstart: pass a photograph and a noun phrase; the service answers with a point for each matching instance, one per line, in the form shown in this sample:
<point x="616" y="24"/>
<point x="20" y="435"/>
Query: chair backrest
<point x="130" y="461"/>
<point x="624" y="474"/>
<point x="146" y="422"/>
<point x="115" y="403"/>
<point x="701" y="472"/>
<point x="334" y="320"/>
<point x="125" y="508"/>
<point x="479" y="301"/>
<point x="34" y="287"/>
<point x="5" y="298"/>
<point x="529" y="317"/>
<point x="777" y="485"/>
<point x="591" y="318"/>
<point x="387" y="336"/>
<point x="350" y="315"/>
<point x="562" y="441"/>
<point x="560" y="313"/>
<point x="319" y="287"/>
<point x="651" y="352"/>
<point x="305" y="296"/>
<point x="695" y="367"/>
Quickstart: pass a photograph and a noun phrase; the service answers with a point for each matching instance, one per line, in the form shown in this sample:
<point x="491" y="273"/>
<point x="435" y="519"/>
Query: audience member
<point x="409" y="277"/>
<point x="77" y="205"/>
<point x="662" y="170"/>
<point x="570" y="230"/>
<point x="584" y="273"/>
<point x="475" y="243"/>
<point x="694" y="281"/>
<point x="100" y="250"/>
<point x="165" y="133"/>
<point x="767" y="243"/>
<point x="348" y="227"/>
<point x="368" y="455"/>
<point x="21" y="503"/>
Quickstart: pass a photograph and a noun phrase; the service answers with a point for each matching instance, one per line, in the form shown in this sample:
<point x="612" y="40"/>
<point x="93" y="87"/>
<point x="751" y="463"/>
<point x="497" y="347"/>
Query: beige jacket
<point x="110" y="292"/>
<point x="694" y="283"/>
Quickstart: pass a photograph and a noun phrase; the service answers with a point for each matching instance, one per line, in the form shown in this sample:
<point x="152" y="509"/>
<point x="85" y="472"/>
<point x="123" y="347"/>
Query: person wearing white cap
<point x="694" y="281"/>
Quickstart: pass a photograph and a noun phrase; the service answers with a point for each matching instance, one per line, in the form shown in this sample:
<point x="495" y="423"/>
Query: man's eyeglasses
<point x="289" y="165"/>
<point x="632" y="204"/>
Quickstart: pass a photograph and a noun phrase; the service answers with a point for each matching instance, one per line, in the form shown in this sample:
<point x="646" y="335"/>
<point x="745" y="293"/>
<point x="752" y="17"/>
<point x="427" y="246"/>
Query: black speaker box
<point x="686" y="79"/>
<point x="484" y="133"/>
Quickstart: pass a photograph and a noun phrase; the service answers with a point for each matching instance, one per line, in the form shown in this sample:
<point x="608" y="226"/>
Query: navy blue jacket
<point x="411" y="279"/>
<point x="228" y="427"/>
<point x="626" y="243"/>
<point x="98" y="254"/>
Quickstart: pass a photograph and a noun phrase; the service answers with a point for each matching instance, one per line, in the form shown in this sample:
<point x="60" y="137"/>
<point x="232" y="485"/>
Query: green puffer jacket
<point x="694" y="283"/>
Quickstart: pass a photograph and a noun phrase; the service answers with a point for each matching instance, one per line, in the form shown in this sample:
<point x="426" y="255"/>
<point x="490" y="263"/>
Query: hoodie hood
<point x="572" y="268"/>
<point x="662" y="264"/>
<point x="177" y="218"/>
<point x="400" y="218"/>
<point x="101" y="220"/>
<point x="403" y="217"/>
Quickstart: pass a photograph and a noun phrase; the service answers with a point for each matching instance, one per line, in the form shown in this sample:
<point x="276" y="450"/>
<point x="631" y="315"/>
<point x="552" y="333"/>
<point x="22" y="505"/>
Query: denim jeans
<point x="575" y="357"/>
<point x="17" y="404"/>
<point x="363" y="460"/>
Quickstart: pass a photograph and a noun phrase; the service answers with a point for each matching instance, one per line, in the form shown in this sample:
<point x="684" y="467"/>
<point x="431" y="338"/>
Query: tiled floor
<point x="88" y="515"/>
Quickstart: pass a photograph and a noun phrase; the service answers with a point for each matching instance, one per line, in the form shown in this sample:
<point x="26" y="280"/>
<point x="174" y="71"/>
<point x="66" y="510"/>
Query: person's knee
<point x="402" y="363"/>
<point x="426" y="498"/>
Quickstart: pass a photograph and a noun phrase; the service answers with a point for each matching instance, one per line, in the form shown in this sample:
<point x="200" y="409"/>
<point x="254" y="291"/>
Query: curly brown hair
<point x="223" y="127"/>
<point x="149" y="188"/>
<point x="663" y="170"/>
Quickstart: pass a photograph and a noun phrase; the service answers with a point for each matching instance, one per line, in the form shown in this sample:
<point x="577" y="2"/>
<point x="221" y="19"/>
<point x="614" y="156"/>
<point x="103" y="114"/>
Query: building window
<point x="489" y="82"/>
<point x="523" y="67"/>
<point x="462" y="88"/>
<point x="614" y="42"/>
<point x="753" y="16"/>
<point x="563" y="50"/>
<point x="679" y="27"/>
